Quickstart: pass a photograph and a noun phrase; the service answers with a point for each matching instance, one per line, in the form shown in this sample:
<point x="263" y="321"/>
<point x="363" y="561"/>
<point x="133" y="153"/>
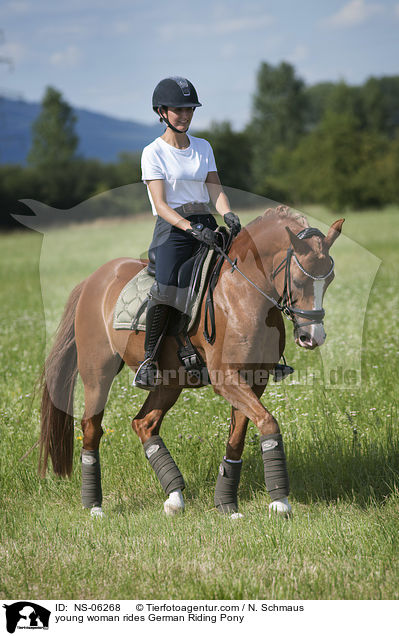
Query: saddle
<point x="131" y="306"/>
<point x="195" y="276"/>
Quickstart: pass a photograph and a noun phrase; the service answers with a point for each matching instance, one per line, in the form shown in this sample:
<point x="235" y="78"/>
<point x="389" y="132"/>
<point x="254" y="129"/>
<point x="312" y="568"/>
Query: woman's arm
<point x="217" y="194"/>
<point x="221" y="202"/>
<point x="157" y="191"/>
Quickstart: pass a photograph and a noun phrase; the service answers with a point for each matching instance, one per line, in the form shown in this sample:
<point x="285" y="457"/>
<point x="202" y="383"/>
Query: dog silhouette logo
<point x="26" y="615"/>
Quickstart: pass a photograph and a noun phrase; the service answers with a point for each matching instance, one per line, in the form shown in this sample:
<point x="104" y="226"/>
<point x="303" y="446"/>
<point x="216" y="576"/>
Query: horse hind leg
<point x="147" y="424"/>
<point x="96" y="389"/>
<point x="90" y="461"/>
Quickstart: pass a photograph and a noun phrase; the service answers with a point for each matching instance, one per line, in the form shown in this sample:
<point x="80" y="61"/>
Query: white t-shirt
<point x="183" y="171"/>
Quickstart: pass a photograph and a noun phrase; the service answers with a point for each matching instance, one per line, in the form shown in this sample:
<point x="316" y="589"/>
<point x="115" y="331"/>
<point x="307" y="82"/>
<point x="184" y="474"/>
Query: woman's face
<point x="180" y="118"/>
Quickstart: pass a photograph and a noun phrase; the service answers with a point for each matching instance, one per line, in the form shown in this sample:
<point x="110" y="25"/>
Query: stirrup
<point x="147" y="375"/>
<point x="282" y="371"/>
<point x="192" y="360"/>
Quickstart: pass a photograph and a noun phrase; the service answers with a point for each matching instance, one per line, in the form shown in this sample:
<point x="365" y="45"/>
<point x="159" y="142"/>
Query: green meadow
<point x="341" y="436"/>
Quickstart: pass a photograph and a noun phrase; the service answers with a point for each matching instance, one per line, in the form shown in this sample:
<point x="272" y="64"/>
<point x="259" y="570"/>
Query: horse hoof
<point x="174" y="505"/>
<point x="236" y="515"/>
<point x="280" y="507"/>
<point x="170" y="509"/>
<point x="96" y="512"/>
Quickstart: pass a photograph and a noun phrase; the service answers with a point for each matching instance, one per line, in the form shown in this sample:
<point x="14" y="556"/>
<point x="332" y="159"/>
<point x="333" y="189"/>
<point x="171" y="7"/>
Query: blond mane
<point x="284" y="212"/>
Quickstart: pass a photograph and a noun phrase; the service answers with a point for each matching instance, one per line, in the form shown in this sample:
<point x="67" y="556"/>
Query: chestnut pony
<point x="287" y="268"/>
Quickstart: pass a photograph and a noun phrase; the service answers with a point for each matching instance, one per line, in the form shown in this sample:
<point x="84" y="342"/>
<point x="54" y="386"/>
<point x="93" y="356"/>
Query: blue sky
<point x="107" y="55"/>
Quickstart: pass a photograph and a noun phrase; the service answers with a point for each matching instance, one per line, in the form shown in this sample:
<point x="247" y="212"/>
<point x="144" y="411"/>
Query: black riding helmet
<point x="177" y="92"/>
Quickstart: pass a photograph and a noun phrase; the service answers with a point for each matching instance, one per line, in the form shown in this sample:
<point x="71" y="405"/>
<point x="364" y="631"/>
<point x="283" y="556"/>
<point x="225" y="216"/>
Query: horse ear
<point x="333" y="233"/>
<point x="300" y="246"/>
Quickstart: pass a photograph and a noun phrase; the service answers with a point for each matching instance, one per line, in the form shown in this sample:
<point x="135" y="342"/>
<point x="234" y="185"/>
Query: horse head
<point x="301" y="279"/>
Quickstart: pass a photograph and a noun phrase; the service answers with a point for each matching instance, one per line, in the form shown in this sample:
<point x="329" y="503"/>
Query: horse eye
<point x="298" y="283"/>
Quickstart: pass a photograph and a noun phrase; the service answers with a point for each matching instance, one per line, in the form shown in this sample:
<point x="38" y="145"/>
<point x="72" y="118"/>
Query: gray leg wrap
<point x="276" y="475"/>
<point x="91" y="479"/>
<point x="163" y="464"/>
<point x="227" y="487"/>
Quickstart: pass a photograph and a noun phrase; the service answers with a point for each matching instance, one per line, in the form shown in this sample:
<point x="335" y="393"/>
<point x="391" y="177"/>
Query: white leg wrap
<point x="280" y="507"/>
<point x="174" y="504"/>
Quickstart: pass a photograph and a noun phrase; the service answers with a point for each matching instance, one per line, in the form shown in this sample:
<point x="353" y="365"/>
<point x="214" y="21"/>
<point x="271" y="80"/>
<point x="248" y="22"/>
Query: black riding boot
<point x="147" y="376"/>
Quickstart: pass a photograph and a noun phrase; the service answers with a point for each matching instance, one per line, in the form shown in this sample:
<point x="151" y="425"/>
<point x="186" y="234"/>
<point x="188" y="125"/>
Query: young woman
<point x="181" y="177"/>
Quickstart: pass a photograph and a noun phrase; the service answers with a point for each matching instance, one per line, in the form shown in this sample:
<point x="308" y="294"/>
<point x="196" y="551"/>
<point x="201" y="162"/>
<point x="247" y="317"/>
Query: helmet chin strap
<point x="167" y="122"/>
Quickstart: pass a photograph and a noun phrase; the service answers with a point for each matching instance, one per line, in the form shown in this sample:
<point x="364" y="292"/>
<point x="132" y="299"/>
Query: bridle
<point x="286" y="302"/>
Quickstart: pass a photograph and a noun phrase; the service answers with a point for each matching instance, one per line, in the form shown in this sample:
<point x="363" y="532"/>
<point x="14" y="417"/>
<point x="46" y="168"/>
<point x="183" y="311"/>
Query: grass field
<point x="342" y="448"/>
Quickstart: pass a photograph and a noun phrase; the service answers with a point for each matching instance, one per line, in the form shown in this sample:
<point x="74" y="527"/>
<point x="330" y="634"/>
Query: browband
<point x="308" y="232"/>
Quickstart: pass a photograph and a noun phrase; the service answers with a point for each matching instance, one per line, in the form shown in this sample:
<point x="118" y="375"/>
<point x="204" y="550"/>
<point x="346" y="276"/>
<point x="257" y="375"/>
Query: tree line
<point x="330" y="143"/>
<point x="56" y="175"/>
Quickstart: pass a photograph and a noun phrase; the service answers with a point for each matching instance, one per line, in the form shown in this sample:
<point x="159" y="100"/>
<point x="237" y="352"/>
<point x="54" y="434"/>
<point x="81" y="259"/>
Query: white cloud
<point x="236" y="25"/>
<point x="69" y="57"/>
<point x="121" y="27"/>
<point x="353" y="13"/>
<point x="65" y="29"/>
<point x="17" y="7"/>
<point x="219" y="27"/>
<point x="299" y="54"/>
<point x="228" y="51"/>
<point x="13" y="51"/>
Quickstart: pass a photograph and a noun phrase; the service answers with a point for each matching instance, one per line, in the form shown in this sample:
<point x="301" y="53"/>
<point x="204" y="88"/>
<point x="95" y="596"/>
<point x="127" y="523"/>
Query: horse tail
<point x="58" y="381"/>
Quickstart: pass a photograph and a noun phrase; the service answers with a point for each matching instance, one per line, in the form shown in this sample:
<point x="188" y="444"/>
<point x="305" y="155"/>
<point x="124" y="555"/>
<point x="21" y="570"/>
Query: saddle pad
<point x="136" y="291"/>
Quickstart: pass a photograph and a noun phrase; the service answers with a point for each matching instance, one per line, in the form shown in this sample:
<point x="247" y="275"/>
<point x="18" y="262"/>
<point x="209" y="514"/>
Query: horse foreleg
<point x="226" y="491"/>
<point x="245" y="398"/>
<point x="147" y="424"/>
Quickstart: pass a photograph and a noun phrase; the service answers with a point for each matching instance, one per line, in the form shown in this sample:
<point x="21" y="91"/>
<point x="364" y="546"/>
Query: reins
<point x="285" y="302"/>
<point x="237" y="269"/>
<point x="209" y="318"/>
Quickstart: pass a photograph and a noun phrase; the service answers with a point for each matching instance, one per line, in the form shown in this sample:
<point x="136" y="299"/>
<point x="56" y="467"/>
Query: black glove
<point x="233" y="222"/>
<point x="203" y="234"/>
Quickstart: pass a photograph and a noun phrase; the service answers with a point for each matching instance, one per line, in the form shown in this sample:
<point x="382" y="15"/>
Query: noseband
<point x="285" y="303"/>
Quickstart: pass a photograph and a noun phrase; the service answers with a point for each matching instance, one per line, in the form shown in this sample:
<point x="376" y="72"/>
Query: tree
<point x="389" y="167"/>
<point x="317" y="99"/>
<point x="232" y="153"/>
<point x="345" y="99"/>
<point x="338" y="164"/>
<point x="278" y="118"/>
<point x="54" y="144"/>
<point x="54" y="141"/>
<point x="381" y="99"/>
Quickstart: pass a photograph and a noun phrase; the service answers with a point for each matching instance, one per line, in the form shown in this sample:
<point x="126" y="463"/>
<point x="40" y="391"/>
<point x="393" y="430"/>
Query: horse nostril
<point x="304" y="338"/>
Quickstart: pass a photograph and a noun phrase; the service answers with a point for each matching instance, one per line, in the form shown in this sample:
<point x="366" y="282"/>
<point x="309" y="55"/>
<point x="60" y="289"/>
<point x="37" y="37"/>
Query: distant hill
<point x="101" y="137"/>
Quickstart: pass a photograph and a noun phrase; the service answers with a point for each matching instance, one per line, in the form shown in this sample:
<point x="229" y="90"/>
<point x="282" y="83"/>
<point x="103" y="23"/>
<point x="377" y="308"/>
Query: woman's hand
<point x="203" y="234"/>
<point x="233" y="222"/>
